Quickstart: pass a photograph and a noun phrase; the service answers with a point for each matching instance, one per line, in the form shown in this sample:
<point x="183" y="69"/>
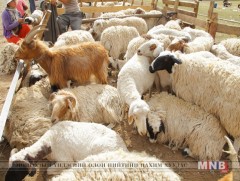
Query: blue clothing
<point x="8" y="24"/>
<point x="32" y="5"/>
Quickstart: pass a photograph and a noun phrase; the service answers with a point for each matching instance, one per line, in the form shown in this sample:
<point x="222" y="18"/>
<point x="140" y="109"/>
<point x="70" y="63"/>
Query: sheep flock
<point x="123" y="92"/>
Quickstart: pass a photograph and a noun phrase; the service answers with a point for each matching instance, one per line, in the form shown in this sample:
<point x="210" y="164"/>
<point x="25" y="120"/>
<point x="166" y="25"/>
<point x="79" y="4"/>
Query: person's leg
<point x="63" y="23"/>
<point x="24" y="31"/>
<point x="76" y="21"/>
<point x="13" y="39"/>
<point x="32" y="5"/>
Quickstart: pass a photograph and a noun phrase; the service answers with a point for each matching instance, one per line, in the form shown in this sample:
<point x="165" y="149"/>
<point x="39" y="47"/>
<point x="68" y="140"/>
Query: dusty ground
<point x="189" y="172"/>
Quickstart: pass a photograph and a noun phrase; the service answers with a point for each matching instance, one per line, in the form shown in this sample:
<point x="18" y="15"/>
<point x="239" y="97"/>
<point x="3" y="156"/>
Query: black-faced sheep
<point x="84" y="63"/>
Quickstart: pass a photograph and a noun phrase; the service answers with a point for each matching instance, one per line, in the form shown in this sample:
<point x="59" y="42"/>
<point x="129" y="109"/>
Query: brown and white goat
<point x="83" y="63"/>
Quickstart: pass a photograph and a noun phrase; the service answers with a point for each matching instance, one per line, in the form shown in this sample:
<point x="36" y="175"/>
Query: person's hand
<point x="21" y="20"/>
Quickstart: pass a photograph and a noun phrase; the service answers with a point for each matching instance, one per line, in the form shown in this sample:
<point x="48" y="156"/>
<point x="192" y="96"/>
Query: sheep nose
<point x="152" y="140"/>
<point x="54" y="120"/>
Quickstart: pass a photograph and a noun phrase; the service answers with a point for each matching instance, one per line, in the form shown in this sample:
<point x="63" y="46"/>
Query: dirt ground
<point x="185" y="167"/>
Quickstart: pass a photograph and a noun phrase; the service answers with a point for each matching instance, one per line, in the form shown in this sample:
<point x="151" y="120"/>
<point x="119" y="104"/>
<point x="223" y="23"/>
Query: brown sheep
<point x="83" y="63"/>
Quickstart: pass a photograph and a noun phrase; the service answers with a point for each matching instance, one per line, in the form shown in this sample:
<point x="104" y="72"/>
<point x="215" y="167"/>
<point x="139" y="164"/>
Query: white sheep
<point x="135" y="43"/>
<point x="196" y="32"/>
<point x="198" y="44"/>
<point x="213" y="85"/>
<point x="29" y="116"/>
<point x="7" y="63"/>
<point x="134" y="79"/>
<point x="116" y="38"/>
<point x="90" y="103"/>
<point x="232" y="45"/>
<point x="73" y="37"/>
<point x="173" y="24"/>
<point x="119" y="165"/>
<point x="185" y="125"/>
<point x="100" y="25"/>
<point x="68" y="141"/>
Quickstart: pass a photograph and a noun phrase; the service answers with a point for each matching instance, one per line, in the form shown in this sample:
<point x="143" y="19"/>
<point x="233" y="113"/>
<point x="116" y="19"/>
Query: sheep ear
<point x="71" y="102"/>
<point x="52" y="96"/>
<point x="153" y="47"/>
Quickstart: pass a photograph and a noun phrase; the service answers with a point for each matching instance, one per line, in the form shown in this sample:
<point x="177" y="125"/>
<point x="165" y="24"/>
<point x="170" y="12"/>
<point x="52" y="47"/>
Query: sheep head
<point x="151" y="48"/>
<point x="63" y="106"/>
<point x="138" y="112"/>
<point x="29" y="48"/>
<point x="155" y="125"/>
<point x="19" y="168"/>
<point x="164" y="61"/>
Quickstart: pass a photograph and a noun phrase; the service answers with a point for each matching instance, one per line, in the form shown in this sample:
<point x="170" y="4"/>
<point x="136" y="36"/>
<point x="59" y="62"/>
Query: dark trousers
<point x="32" y="5"/>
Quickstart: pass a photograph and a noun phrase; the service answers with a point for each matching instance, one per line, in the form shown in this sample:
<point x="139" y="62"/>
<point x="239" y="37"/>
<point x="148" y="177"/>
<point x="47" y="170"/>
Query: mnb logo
<point x="213" y="165"/>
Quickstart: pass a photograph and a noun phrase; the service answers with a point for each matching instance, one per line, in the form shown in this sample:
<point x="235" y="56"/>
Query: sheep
<point x="234" y="174"/>
<point x="123" y="169"/>
<point x="77" y="62"/>
<point x="134" y="79"/>
<point x="135" y="43"/>
<point x="29" y="116"/>
<point x="102" y="106"/>
<point x="194" y="33"/>
<point x="100" y="25"/>
<point x="185" y="125"/>
<point x="172" y="32"/>
<point x="112" y="39"/>
<point x="173" y="24"/>
<point x="35" y="18"/>
<point x="217" y="87"/>
<point x="198" y="44"/>
<point x="7" y="63"/>
<point x="67" y="141"/>
<point x="123" y="13"/>
<point x="232" y="45"/>
<point x="73" y="37"/>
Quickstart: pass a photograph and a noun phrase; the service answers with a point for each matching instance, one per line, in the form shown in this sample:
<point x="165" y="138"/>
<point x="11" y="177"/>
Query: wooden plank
<point x="228" y="29"/>
<point x="192" y="20"/>
<point x="210" y="12"/>
<point x="213" y="25"/>
<point x="8" y="101"/>
<point x="181" y="3"/>
<point x="89" y="20"/>
<point x="92" y="9"/>
<point x="189" y="13"/>
<point x="88" y="1"/>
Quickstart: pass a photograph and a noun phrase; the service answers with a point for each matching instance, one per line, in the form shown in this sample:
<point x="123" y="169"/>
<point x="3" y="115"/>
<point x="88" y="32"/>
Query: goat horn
<point x="35" y="30"/>
<point x="232" y="150"/>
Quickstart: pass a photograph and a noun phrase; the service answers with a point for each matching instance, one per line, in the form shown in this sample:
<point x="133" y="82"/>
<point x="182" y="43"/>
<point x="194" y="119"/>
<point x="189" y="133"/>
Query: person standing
<point x="72" y="16"/>
<point x="32" y="5"/>
<point x="12" y="22"/>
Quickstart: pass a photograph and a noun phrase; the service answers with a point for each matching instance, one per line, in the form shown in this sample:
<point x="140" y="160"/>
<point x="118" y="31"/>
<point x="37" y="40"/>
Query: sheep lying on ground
<point x="29" y="116"/>
<point x="100" y="25"/>
<point x="7" y="63"/>
<point x="92" y="103"/>
<point x="67" y="141"/>
<point x="73" y="37"/>
<point x="77" y="62"/>
<point x="185" y="125"/>
<point x="232" y="45"/>
<point x="140" y="171"/>
<point x="216" y="85"/>
<point x="134" y="79"/>
<point x="116" y="38"/>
